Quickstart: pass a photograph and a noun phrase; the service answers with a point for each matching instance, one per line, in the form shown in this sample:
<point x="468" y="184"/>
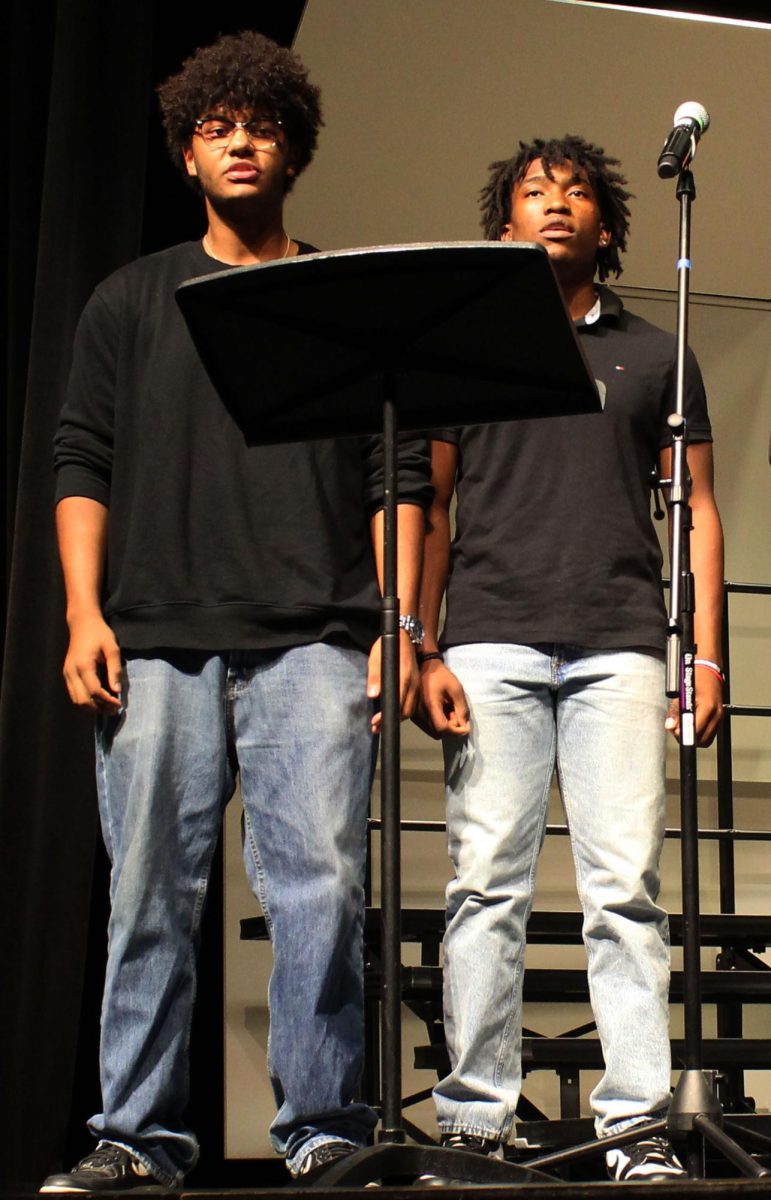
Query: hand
<point x="709" y="708"/>
<point x="442" y="707"/>
<point x="92" y="667"/>
<point x="409" y="678"/>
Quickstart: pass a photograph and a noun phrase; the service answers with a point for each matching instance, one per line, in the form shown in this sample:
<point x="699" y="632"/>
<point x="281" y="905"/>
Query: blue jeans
<point x="600" y="717"/>
<point x="296" y="725"/>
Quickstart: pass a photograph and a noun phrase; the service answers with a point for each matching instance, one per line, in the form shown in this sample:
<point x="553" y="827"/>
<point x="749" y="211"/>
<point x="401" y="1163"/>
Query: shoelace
<point x="102" y="1156"/>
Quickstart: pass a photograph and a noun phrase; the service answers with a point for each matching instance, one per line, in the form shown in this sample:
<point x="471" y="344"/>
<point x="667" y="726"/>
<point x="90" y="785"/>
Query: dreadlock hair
<point x="242" y="72"/>
<point x="608" y="185"/>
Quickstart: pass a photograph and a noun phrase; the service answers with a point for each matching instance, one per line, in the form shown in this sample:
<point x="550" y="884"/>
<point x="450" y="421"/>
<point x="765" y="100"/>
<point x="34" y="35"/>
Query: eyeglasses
<point x="263" y="133"/>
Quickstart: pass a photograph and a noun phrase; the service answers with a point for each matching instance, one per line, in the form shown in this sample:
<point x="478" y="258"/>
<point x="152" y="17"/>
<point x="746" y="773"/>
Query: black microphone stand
<point x="695" y="1115"/>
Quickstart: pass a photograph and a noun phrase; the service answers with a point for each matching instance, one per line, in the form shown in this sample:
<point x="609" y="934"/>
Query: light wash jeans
<point x="600" y="716"/>
<point x="296" y="725"/>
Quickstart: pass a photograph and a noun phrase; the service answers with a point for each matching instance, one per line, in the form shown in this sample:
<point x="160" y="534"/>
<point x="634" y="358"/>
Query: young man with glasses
<point x="223" y="608"/>
<point x="554" y="656"/>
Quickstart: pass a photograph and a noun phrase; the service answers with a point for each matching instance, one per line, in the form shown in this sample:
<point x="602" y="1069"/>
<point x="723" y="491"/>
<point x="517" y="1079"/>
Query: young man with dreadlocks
<point x="223" y="608"/>
<point x="554" y="655"/>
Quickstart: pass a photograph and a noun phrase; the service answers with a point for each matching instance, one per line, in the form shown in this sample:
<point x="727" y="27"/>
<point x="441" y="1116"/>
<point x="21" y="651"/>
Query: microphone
<point x="690" y="122"/>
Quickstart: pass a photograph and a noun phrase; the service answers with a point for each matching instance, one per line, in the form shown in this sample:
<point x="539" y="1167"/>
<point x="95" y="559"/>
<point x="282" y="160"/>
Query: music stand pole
<point x="393" y="1155"/>
<point x="390" y="791"/>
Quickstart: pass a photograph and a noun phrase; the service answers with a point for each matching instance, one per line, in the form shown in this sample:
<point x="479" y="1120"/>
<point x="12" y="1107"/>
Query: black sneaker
<point x="653" y="1160"/>
<point x="319" y="1159"/>
<point x="109" y="1168"/>
<point x="469" y="1142"/>
<point x="472" y="1144"/>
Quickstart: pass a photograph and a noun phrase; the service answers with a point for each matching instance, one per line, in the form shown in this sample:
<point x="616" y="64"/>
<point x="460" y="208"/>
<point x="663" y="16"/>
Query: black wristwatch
<point x="413" y="627"/>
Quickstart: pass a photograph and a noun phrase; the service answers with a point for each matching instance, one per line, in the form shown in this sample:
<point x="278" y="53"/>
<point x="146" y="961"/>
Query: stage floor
<point x="713" y="1189"/>
<point x="710" y="1189"/>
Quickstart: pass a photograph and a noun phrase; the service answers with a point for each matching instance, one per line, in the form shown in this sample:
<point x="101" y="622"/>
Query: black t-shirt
<point x="213" y="544"/>
<point x="554" y="539"/>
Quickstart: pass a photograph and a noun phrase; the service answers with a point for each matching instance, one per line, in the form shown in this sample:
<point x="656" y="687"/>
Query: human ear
<point x="187" y="154"/>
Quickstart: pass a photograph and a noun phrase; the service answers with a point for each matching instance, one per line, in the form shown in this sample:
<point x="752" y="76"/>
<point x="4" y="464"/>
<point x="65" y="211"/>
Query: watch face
<point x="413" y="627"/>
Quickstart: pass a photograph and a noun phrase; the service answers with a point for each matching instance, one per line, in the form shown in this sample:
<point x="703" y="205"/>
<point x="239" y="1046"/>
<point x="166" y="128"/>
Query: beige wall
<point x="420" y="96"/>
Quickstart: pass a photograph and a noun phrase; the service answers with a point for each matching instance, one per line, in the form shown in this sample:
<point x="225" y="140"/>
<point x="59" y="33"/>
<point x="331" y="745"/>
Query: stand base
<point x="694" y="1096"/>
<point x="457" y="1167"/>
<point x="730" y="1149"/>
<point x="696" y="1115"/>
<point x="407" y="1164"/>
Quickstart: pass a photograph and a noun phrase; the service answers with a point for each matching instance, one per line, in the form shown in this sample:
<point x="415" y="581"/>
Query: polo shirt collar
<point x="610" y="308"/>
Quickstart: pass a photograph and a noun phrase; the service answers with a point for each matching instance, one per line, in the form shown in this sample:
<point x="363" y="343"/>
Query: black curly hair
<point x="608" y="185"/>
<point x="242" y="72"/>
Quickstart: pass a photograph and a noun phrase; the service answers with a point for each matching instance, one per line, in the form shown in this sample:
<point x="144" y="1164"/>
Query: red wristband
<point x="708" y="665"/>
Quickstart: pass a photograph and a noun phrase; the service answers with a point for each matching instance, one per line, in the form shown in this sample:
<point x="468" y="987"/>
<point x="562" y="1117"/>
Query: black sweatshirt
<point x="212" y="544"/>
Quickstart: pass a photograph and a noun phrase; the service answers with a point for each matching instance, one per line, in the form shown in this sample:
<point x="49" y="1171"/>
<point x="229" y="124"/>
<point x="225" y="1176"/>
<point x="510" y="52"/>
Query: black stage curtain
<point x="87" y="190"/>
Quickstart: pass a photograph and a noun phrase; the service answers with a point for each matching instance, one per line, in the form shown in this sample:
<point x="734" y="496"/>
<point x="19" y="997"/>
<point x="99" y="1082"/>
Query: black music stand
<point x="366" y="341"/>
